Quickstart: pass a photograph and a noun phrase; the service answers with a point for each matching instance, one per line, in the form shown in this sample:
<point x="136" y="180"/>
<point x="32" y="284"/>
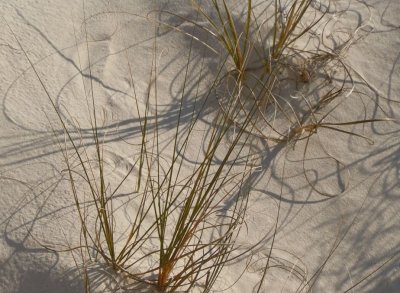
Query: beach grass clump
<point x="278" y="63"/>
<point x="270" y="66"/>
<point x="265" y="60"/>
<point x="180" y="233"/>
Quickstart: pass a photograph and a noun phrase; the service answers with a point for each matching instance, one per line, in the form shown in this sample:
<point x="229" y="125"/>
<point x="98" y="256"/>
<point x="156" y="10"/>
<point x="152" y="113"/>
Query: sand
<point x="36" y="204"/>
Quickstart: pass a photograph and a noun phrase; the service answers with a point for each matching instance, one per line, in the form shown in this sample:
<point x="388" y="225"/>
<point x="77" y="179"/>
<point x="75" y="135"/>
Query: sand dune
<point x="328" y="204"/>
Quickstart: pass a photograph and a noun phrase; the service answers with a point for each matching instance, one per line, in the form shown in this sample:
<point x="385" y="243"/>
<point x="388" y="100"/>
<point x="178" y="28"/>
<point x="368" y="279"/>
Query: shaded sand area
<point x="317" y="211"/>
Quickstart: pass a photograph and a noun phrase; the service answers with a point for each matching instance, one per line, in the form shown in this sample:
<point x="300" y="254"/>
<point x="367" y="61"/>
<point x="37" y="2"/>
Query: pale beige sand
<point x="34" y="199"/>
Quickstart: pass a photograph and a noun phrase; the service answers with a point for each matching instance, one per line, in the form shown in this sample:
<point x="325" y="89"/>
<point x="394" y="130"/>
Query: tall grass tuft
<point x="180" y="234"/>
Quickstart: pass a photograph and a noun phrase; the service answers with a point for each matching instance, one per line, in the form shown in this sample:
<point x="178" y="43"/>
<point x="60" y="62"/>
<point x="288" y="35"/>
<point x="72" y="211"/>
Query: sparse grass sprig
<point x="286" y="24"/>
<point x="237" y="43"/>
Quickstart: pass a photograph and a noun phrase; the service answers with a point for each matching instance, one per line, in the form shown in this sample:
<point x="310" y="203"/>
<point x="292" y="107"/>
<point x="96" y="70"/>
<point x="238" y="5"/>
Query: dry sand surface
<point x="108" y="48"/>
